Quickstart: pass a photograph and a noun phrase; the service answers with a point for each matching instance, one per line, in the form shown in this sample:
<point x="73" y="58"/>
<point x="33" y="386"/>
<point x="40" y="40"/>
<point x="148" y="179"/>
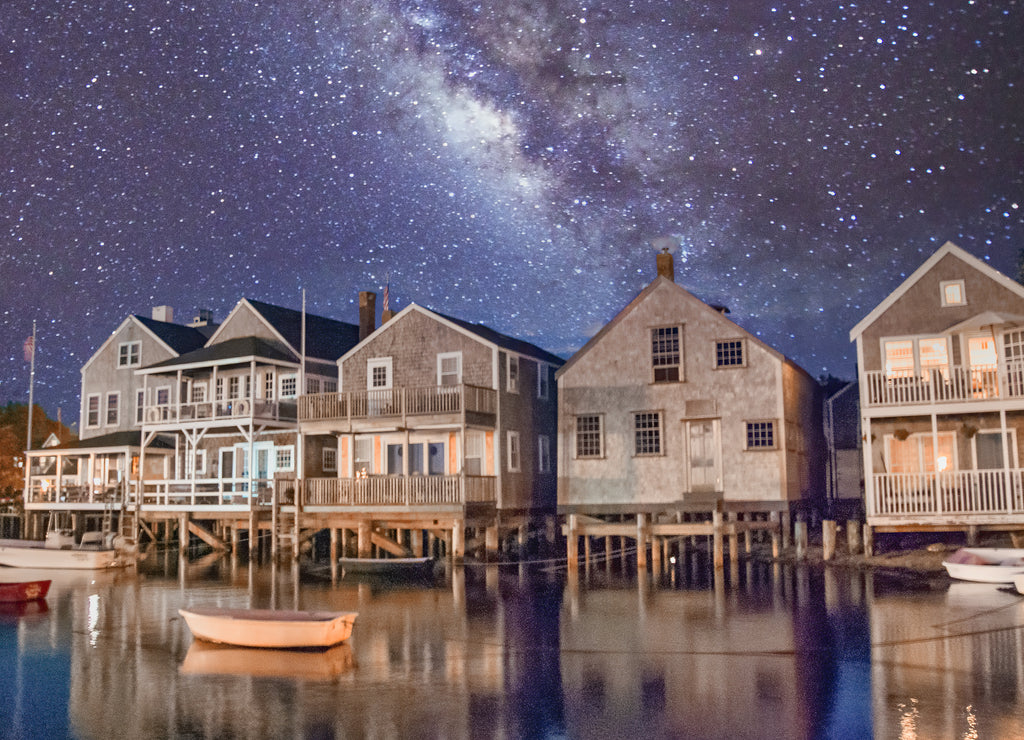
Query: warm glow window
<point x="666" y="354"/>
<point x="953" y="293"/>
<point x="915" y="453"/>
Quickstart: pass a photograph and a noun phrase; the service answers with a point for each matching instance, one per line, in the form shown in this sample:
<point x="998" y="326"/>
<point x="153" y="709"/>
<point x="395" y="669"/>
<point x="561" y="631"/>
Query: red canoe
<point x="23" y="591"/>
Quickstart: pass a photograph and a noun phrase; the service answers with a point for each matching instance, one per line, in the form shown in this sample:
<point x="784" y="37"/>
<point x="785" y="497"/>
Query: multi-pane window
<point x="198" y="392"/>
<point x="285" y="458"/>
<point x="163" y="396"/>
<point x="513" y="374"/>
<point x="449" y="368"/>
<point x="915" y="453"/>
<point x="92" y="410"/>
<point x="647" y="433"/>
<point x="729" y="353"/>
<point x="219" y="389"/>
<point x="665" y="354"/>
<point x="330" y="386"/>
<point x="289" y="384"/>
<point x="312" y="385"/>
<point x="113" y="409"/>
<point x="140" y="404"/>
<point x="233" y="384"/>
<point x="760" y="435"/>
<point x="475" y="447"/>
<point x="513" y="452"/>
<point x="129" y="354"/>
<point x="543" y="454"/>
<point x="953" y="293"/>
<point x="905" y="358"/>
<point x="588" y="435"/>
<point x="330" y="460"/>
<point x="379" y="373"/>
<point x="362" y="456"/>
<point x="268" y="385"/>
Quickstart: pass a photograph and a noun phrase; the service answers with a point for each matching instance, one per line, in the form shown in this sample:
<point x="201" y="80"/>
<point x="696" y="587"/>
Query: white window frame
<point x="945" y="294"/>
<point x="129" y="354"/>
<point x="742" y="342"/>
<point x="140" y="404"/>
<point x="441" y="374"/>
<point x="919" y="370"/>
<point x="543" y="453"/>
<point x="374" y="363"/>
<point x="116" y="396"/>
<point x="661" y="354"/>
<point x="329" y="460"/>
<point x="514" y="456"/>
<point x="268" y="385"/>
<point x="599" y="432"/>
<point x="289" y="385"/>
<point x="312" y="385"/>
<point x="543" y="381"/>
<point x="198" y="392"/>
<point x="923" y="441"/>
<point x="648" y="440"/>
<point x="92" y="414"/>
<point x="512" y="376"/>
<point x="284" y="458"/>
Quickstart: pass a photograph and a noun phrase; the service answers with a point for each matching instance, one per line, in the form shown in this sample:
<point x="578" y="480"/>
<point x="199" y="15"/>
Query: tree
<point x="13" y="432"/>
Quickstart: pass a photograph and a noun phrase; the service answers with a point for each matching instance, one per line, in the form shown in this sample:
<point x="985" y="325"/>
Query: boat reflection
<point x="308" y="665"/>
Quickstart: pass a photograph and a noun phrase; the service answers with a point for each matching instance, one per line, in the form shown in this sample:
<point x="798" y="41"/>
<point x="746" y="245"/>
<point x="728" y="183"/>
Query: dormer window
<point x="953" y="293"/>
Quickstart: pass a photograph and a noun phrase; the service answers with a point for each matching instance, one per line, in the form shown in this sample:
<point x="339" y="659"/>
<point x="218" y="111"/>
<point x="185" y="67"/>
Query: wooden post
<point x="458" y="541"/>
<point x="491" y="542"/>
<point x="786" y="522"/>
<point x="297" y="534"/>
<point x="734" y="539"/>
<point x="718" y="547"/>
<point x="275" y="525"/>
<point x="363" y="543"/>
<point x="853" y="536"/>
<point x="800" y="535"/>
<point x="254" y="534"/>
<point x="572" y="545"/>
<point x="641" y="543"/>
<point x="972" y="535"/>
<point x="183" y="533"/>
<point x="869" y="540"/>
<point x="773" y="517"/>
<point x="828" y="539"/>
<point x="656" y="555"/>
<point x="334" y="545"/>
<point x="748" y="536"/>
<point x="587" y="554"/>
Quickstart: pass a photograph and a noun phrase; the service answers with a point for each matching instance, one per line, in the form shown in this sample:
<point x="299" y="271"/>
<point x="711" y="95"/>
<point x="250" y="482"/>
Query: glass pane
<point x="989" y="447"/>
<point x="436" y="460"/>
<point x="934" y="356"/>
<point x="899" y="358"/>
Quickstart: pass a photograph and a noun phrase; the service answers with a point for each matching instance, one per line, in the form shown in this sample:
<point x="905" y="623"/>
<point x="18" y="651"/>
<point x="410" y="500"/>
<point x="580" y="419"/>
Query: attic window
<point x="953" y="293"/>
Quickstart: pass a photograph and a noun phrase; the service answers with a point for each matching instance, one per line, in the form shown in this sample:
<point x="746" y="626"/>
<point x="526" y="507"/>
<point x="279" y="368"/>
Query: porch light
<point x="943" y="463"/>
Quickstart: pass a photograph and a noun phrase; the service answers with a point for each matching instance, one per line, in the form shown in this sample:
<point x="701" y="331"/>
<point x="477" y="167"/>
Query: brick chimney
<point x="666" y="265"/>
<point x="367" y="313"/>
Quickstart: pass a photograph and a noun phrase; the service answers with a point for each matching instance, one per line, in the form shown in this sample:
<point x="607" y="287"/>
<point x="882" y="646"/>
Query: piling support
<point x="800" y="535"/>
<point x="363" y="543"/>
<point x="869" y="540"/>
<point x="853" y="536"/>
<point x="718" y="546"/>
<point x="572" y="545"/>
<point x="458" y="541"/>
<point x="828" y="539"/>
<point x="641" y="543"/>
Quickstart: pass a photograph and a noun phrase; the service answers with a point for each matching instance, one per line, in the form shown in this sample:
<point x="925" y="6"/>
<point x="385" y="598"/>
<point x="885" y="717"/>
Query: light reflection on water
<point x="779" y="651"/>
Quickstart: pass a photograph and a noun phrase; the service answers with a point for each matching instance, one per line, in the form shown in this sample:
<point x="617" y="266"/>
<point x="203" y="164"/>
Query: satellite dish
<point x="668" y="243"/>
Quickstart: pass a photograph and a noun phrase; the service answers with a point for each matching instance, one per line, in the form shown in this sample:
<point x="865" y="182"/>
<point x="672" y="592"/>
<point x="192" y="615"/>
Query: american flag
<point x="387" y="300"/>
<point x="30" y="348"/>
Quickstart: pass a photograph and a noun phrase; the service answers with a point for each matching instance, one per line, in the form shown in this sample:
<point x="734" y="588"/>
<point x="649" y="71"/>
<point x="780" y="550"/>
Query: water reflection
<point x="770" y="651"/>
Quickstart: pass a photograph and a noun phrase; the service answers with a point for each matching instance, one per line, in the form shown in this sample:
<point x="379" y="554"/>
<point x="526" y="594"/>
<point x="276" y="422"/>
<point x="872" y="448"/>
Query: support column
<point x="828" y="539"/>
<point x="183" y="533"/>
<point x="718" y="547"/>
<point x="734" y="539"/>
<point x="800" y="535"/>
<point x="641" y="543"/>
<point x="334" y="545"/>
<point x="853" y="536"/>
<point x="869" y="540"/>
<point x="491" y="542"/>
<point x="572" y="545"/>
<point x="363" y="543"/>
<point x="458" y="541"/>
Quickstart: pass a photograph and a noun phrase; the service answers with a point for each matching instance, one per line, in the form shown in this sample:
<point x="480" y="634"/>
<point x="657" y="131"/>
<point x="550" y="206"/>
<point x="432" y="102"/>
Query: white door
<point x="704" y="456"/>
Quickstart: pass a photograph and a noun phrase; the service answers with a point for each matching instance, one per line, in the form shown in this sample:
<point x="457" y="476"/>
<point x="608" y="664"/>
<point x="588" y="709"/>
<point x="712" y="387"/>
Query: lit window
<point x="647" y="433"/>
<point x="953" y="293"/>
<point x="899" y="358"/>
<point x="665" y="354"/>
<point x="588" y="436"/>
<point x="760" y="435"/>
<point x="729" y="353"/>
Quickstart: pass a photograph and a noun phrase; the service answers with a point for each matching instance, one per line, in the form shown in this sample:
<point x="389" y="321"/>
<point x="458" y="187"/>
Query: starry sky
<point x="504" y="162"/>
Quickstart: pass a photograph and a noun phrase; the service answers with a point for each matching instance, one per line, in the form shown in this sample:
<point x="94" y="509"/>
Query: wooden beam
<point x="208" y="537"/>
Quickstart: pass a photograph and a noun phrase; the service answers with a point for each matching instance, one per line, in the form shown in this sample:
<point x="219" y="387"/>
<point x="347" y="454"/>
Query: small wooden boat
<point x="985" y="564"/>
<point x="392" y="567"/>
<point x="269" y="628"/>
<point x="1018" y="583"/>
<point x="36" y="554"/>
<point x="18" y="591"/>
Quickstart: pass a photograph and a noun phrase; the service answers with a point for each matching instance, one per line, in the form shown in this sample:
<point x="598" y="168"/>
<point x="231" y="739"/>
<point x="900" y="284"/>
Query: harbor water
<point x="767" y="650"/>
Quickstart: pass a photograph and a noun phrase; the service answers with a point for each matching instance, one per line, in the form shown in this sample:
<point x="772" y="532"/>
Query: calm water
<point x="779" y="651"/>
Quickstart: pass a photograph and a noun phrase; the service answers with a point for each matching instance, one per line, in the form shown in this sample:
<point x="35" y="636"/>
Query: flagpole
<point x="31" y="387"/>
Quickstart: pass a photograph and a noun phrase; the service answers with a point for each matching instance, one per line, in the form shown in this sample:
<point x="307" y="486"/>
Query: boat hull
<point x="395" y="567"/>
<point x="269" y="628"/>
<point x="1018" y="583"/>
<point x="14" y="593"/>
<point x="32" y="554"/>
<point x="985" y="564"/>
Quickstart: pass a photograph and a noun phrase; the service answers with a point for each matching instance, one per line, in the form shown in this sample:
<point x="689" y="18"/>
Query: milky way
<point x="507" y="163"/>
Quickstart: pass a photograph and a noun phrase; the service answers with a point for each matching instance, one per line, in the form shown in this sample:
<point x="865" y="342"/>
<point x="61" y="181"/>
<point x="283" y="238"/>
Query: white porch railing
<point x="235" y="408"/>
<point x="958" y="492"/>
<point x="951" y="385"/>
<point x="397" y="490"/>
<point x="207" y="492"/>
<point x="398" y="402"/>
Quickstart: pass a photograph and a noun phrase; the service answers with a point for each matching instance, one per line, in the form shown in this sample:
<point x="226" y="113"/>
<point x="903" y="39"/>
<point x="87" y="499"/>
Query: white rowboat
<point x="986" y="564"/>
<point x="269" y="628"/>
<point x="35" y="554"/>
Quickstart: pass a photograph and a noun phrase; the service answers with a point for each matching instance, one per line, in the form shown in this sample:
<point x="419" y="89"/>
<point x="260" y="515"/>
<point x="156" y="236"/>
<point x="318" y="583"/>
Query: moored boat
<point x="36" y="554"/>
<point x="394" y="567"/>
<point x="269" y="628"/>
<point x="19" y="591"/>
<point x="985" y="564"/>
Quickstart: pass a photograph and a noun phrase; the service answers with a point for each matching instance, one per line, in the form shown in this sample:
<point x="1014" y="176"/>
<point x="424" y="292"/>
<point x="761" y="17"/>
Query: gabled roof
<point x="326" y="339"/>
<point x="949" y="248"/>
<point x="478" y="331"/>
<point x="229" y="351"/>
<point x="640" y="298"/>
<point x="106" y="441"/>
<point x="174" y="337"/>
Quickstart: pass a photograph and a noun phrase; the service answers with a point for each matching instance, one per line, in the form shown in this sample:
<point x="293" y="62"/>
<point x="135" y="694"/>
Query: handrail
<point x="954" y="384"/>
<point x="398" y="402"/>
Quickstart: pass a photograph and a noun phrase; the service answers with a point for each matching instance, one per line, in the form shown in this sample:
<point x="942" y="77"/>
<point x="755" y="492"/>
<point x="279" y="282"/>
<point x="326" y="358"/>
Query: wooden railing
<point x="398" y="402"/>
<point x="235" y="408"/>
<point x="960" y="493"/>
<point x="944" y="385"/>
<point x="397" y="490"/>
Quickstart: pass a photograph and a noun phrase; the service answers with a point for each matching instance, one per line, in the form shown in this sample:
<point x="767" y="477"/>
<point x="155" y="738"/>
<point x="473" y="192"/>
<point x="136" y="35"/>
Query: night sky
<point x="504" y="162"/>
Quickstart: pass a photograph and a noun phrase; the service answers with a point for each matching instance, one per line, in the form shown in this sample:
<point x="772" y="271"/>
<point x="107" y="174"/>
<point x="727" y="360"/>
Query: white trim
<point x="99" y="411"/>
<point x="114" y="337"/>
<point x="117" y="408"/>
<point x="514" y="449"/>
<point x="375" y="362"/>
<point x="943" y="284"/>
<point x="441" y="357"/>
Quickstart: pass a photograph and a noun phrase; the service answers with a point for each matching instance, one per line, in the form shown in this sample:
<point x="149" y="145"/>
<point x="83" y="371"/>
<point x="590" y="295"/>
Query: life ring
<point x="240" y="408"/>
<point x="153" y="414"/>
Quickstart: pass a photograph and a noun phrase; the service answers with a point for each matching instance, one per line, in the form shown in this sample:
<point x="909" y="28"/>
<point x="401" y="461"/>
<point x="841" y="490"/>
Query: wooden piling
<point x="641" y="543"/>
<point x="718" y="547"/>
<point x="853" y="536"/>
<point x="828" y="539"/>
<point x="572" y="545"/>
<point x="800" y="535"/>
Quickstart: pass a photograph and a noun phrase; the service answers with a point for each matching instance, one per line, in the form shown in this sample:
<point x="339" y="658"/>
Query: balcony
<point x="940" y="386"/>
<point x="397" y="490"/>
<point x="960" y="495"/>
<point x="400" y="403"/>
<point x="234" y="409"/>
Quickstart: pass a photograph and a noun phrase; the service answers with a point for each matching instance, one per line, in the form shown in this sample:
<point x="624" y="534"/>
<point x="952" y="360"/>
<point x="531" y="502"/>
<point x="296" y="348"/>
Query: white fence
<point x="963" y="493"/>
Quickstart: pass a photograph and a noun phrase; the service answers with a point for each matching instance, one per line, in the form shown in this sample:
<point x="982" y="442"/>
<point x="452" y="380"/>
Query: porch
<point x="398" y="490"/>
<point x="398" y="403"/>
<point x="957" y="384"/>
<point x="961" y="497"/>
<point x="234" y="410"/>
